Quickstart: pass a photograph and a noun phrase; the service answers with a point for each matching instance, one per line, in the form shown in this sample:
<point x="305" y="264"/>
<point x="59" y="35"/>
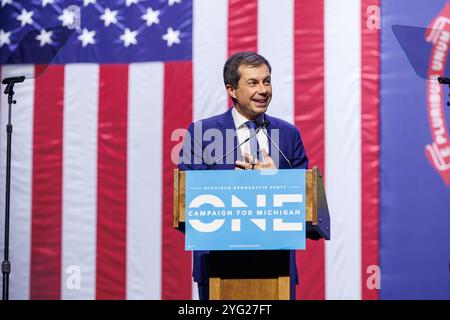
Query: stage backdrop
<point x="95" y="141"/>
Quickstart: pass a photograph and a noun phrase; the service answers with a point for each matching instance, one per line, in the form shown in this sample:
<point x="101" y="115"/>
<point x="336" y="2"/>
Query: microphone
<point x="266" y="123"/>
<point x="13" y="80"/>
<point x="444" y="80"/>
<point x="261" y="126"/>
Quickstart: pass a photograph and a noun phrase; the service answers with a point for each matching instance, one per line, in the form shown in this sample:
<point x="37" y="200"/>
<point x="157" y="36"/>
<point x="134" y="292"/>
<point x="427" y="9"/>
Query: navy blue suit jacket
<point x="290" y="143"/>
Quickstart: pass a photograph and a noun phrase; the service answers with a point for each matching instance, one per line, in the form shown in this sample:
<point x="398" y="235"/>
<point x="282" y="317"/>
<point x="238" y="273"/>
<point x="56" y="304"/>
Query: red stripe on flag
<point x="45" y="269"/>
<point x="370" y="146"/>
<point x="178" y="99"/>
<point x="112" y="182"/>
<point x="309" y="117"/>
<point x="242" y="26"/>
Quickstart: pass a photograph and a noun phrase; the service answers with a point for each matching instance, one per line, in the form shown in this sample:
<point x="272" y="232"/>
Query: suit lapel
<point x="224" y="122"/>
<point x="274" y="124"/>
<point x="269" y="132"/>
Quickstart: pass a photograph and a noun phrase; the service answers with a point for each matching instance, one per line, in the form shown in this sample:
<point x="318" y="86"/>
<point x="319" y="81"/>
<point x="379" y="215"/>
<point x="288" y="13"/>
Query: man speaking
<point x="250" y="139"/>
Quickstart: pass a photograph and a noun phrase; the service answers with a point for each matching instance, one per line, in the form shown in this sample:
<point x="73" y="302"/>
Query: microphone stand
<point x="279" y="150"/>
<point x="6" y="265"/>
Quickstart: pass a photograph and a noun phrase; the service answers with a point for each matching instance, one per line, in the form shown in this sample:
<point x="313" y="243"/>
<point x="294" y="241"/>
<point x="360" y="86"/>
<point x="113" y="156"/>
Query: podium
<point x="252" y="274"/>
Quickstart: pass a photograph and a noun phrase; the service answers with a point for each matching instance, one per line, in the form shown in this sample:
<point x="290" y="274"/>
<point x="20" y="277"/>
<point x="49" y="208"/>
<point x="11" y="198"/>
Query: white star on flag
<point x="25" y="17"/>
<point x="172" y="2"/>
<point x="151" y="16"/>
<point x="44" y="37"/>
<point x="4" y="37"/>
<point x="46" y="2"/>
<point x="87" y="2"/>
<point x="130" y="2"/>
<point x="5" y="2"/>
<point x="87" y="37"/>
<point x="67" y="17"/>
<point x="128" y="37"/>
<point x="172" y="37"/>
<point x="109" y="17"/>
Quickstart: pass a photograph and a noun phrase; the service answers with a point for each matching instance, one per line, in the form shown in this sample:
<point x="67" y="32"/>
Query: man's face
<point x="254" y="91"/>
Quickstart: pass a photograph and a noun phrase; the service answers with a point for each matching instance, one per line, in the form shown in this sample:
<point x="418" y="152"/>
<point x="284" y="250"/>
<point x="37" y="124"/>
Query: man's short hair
<point x="231" y="73"/>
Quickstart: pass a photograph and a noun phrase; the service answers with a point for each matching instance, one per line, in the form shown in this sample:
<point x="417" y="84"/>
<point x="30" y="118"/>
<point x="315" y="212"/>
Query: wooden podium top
<point x="317" y="215"/>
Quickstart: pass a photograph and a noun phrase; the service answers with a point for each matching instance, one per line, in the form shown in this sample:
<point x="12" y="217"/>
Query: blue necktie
<point x="254" y="145"/>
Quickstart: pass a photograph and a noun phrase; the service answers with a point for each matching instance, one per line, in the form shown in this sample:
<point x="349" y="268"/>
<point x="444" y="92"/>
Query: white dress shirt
<point x="243" y="132"/>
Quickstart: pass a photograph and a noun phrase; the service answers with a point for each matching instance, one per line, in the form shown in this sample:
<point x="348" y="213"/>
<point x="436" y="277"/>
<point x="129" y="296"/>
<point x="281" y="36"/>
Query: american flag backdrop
<point x="97" y="134"/>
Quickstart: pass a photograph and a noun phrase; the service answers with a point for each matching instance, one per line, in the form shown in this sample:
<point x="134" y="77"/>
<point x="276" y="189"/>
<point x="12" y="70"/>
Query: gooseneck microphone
<point x="13" y="80"/>
<point x="263" y="125"/>
<point x="444" y="80"/>
<point x="266" y="123"/>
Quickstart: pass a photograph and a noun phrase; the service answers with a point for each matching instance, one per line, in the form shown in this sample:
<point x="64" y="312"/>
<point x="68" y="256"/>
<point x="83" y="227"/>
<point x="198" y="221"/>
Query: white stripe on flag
<point x="208" y="57"/>
<point x="144" y="190"/>
<point x="21" y="164"/>
<point x="209" y="53"/>
<point x="275" y="43"/>
<point x="79" y="189"/>
<point x="343" y="147"/>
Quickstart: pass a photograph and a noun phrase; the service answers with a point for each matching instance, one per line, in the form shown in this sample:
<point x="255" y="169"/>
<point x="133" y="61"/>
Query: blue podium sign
<point x="245" y="210"/>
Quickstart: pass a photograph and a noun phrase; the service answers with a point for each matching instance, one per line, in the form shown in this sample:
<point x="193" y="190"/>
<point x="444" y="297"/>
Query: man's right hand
<point x="250" y="163"/>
